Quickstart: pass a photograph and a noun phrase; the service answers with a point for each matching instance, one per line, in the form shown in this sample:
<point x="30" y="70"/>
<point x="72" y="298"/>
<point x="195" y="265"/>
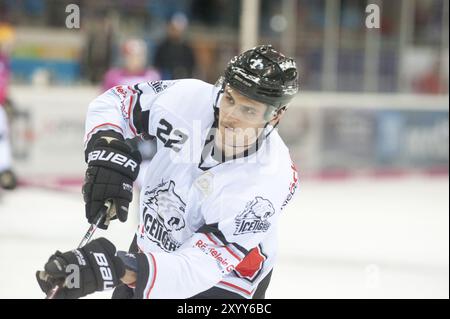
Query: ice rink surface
<point x="355" y="238"/>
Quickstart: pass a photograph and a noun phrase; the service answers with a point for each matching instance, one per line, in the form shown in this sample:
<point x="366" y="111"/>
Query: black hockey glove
<point x="112" y="168"/>
<point x="82" y="271"/>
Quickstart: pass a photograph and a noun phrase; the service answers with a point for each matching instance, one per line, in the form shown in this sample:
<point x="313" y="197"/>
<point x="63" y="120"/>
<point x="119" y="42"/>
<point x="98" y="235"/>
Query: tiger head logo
<point x="255" y="217"/>
<point x="168" y="206"/>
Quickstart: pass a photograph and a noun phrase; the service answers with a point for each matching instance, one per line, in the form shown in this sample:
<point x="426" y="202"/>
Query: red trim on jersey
<point x="232" y="253"/>
<point x="103" y="124"/>
<point x="154" y="276"/>
<point x="129" y="106"/>
<point x="130" y="115"/>
<point x="237" y="287"/>
<point x="228" y="249"/>
<point x="211" y="240"/>
<point x="131" y="89"/>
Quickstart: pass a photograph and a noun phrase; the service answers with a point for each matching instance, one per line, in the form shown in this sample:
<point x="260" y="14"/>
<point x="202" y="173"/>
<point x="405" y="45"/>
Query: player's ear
<point x="277" y="117"/>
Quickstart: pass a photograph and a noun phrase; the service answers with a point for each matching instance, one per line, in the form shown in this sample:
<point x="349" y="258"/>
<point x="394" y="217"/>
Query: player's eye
<point x="229" y="99"/>
<point x="248" y="110"/>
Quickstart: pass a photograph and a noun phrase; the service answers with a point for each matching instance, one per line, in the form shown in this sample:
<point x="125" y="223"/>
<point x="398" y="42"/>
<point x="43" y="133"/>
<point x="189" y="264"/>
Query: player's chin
<point x="238" y="143"/>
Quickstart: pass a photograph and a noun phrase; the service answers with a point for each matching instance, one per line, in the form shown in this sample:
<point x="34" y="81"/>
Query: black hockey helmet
<point x="265" y="75"/>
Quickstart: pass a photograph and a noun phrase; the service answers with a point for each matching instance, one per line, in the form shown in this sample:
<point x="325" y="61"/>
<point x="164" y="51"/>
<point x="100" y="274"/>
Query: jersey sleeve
<point x="234" y="224"/>
<point x="124" y="109"/>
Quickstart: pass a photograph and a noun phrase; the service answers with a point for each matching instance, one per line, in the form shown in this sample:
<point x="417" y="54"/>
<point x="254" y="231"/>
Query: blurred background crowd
<point x="370" y="98"/>
<point x="195" y="38"/>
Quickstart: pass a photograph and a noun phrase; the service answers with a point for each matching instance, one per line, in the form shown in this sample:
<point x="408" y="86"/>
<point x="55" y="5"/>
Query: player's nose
<point x="232" y="116"/>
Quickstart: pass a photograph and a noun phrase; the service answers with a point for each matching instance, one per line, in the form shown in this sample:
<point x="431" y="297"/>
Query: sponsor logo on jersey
<point x="122" y="93"/>
<point x="159" y="86"/>
<point x="221" y="260"/>
<point x="255" y="217"/>
<point x="292" y="187"/>
<point x="163" y="216"/>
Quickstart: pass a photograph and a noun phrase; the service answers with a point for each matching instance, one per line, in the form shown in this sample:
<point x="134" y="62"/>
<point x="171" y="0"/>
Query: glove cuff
<point x="101" y="134"/>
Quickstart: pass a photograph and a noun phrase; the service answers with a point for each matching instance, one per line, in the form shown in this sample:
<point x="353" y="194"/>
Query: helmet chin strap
<point x="276" y="124"/>
<point x="258" y="141"/>
<point x="222" y="90"/>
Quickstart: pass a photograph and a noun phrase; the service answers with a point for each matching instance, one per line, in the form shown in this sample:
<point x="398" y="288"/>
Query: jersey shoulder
<point x="273" y="162"/>
<point x="188" y="93"/>
<point x="185" y="97"/>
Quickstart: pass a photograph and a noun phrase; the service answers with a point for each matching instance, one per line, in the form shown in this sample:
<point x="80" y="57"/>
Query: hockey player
<point x="213" y="193"/>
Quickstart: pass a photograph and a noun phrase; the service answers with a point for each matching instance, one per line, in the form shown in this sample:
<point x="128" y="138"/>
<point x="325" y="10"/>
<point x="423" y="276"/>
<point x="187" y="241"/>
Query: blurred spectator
<point x="7" y="177"/>
<point x="98" y="49"/>
<point x="174" y="56"/>
<point x="134" y="69"/>
<point x="6" y="39"/>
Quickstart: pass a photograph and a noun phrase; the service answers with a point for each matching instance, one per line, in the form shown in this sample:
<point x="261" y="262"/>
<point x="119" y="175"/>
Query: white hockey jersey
<point x="202" y="223"/>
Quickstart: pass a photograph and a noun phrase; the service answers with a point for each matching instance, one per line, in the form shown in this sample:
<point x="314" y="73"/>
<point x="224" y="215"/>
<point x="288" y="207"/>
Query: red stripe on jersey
<point x="104" y="124"/>
<point x="228" y="249"/>
<point x="131" y="89"/>
<point x="154" y="276"/>
<point x="130" y="115"/>
<point x="232" y="253"/>
<point x="211" y="239"/>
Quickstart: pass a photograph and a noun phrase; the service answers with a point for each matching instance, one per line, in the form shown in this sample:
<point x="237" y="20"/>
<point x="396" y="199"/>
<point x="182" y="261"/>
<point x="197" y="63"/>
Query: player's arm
<point x="121" y="113"/>
<point x="113" y="165"/>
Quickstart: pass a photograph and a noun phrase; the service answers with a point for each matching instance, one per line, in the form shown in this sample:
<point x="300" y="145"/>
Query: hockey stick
<point x="104" y="211"/>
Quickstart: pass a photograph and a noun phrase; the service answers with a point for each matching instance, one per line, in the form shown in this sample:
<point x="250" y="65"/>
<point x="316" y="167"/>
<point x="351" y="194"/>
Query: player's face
<point x="241" y="119"/>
